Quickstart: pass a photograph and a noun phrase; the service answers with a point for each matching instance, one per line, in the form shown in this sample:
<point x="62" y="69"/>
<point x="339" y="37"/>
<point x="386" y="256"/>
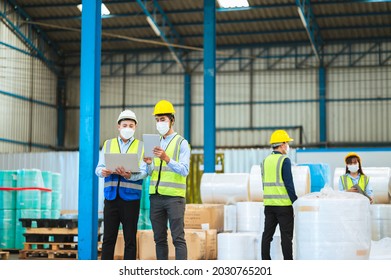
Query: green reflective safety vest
<point x="274" y="190"/>
<point x="164" y="181"/>
<point x="347" y="182"/>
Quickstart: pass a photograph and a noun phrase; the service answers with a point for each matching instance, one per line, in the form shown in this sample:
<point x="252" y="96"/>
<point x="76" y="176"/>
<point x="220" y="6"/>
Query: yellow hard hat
<point x="280" y="136"/>
<point x="163" y="107"/>
<point x="352" y="155"/>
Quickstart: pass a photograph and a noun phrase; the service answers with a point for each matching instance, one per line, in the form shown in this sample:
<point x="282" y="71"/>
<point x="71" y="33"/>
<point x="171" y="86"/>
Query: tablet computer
<point x="128" y="161"/>
<point x="150" y="142"/>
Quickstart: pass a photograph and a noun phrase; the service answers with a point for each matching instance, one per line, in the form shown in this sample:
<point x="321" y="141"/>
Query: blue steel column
<point x="322" y="105"/>
<point x="209" y="85"/>
<point x="91" y="30"/>
<point x="187" y="109"/>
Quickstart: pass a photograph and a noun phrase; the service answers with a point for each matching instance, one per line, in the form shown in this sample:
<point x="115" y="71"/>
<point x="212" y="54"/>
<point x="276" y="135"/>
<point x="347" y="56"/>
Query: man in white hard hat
<point x="122" y="189"/>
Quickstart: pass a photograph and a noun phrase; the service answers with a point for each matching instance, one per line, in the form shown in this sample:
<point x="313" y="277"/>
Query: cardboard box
<point x="204" y="216"/>
<point x="201" y="245"/>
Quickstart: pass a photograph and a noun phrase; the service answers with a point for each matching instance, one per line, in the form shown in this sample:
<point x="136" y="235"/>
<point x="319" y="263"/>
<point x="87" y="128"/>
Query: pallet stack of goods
<point x="52" y="239"/>
<point x="26" y="194"/>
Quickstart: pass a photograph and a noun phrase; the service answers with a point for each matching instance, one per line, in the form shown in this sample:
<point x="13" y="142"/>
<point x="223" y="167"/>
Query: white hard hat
<point x="127" y="114"/>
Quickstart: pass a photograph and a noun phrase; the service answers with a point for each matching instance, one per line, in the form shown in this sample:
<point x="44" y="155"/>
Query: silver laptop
<point x="129" y="161"/>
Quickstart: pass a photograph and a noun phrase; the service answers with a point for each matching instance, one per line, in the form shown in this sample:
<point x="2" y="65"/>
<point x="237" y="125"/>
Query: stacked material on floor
<point x="381" y="221"/>
<point x="332" y="225"/>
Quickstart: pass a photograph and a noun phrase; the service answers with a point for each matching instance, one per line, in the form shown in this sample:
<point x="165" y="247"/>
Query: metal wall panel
<point x="279" y="99"/>
<point x="356" y="111"/>
<point x="28" y="98"/>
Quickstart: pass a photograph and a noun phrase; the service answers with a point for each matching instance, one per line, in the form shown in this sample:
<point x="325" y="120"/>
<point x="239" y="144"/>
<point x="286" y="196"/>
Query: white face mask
<point x="163" y="127"/>
<point x="353" y="168"/>
<point x="287" y="149"/>
<point x="127" y="133"/>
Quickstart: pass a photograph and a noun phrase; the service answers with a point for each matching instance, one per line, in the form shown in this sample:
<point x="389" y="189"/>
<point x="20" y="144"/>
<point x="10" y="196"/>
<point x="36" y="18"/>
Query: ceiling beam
<point x="163" y="28"/>
<point x="309" y="21"/>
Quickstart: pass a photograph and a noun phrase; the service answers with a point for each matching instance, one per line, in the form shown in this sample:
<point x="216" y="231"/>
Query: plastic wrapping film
<point x="381" y="221"/>
<point x="332" y="225"/>
<point x="381" y="249"/>
<point x="256" y="188"/>
<point x="319" y="174"/>
<point x="230" y="218"/>
<point x="224" y="188"/>
<point x="237" y="246"/>
<point x="250" y="217"/>
<point x="379" y="178"/>
<point x="301" y="179"/>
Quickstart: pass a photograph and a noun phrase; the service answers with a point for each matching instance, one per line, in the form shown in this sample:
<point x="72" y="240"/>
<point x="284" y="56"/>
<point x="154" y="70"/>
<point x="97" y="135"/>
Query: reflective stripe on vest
<point x="170" y="183"/>
<point x="274" y="190"/>
<point x="111" y="182"/>
<point x="347" y="182"/>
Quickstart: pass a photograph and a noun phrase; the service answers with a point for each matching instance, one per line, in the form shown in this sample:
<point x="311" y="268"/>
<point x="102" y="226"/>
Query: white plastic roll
<point x="379" y="178"/>
<point x="275" y="246"/>
<point x="237" y="246"/>
<point x="332" y="225"/>
<point x="250" y="216"/>
<point x="256" y="187"/>
<point x="230" y="218"/>
<point x="381" y="221"/>
<point x="301" y="179"/>
<point x="224" y="188"/>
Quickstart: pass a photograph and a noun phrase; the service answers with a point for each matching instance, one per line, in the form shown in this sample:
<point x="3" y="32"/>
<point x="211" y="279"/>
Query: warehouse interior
<point x="320" y="70"/>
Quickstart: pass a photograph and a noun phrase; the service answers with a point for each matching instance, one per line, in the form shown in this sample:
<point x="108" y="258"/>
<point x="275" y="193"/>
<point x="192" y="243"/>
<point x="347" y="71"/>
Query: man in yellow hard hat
<point x="354" y="179"/>
<point x="169" y="169"/>
<point x="278" y="195"/>
<point x="122" y="189"/>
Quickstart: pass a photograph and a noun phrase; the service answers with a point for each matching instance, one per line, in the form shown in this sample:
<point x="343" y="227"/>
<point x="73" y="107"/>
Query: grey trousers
<point x="164" y="210"/>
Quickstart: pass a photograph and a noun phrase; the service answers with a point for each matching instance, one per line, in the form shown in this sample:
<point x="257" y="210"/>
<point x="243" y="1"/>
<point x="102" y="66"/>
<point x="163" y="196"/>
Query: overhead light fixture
<point x="153" y="26"/>
<point x="104" y="10"/>
<point x="233" y="3"/>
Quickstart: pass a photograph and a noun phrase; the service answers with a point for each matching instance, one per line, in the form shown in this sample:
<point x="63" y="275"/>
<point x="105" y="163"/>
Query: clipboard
<point x="129" y="161"/>
<point x="150" y="142"/>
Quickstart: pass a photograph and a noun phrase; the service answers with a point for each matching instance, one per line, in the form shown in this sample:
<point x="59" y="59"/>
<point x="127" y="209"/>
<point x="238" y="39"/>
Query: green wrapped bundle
<point x="29" y="198"/>
<point x="7" y="197"/>
<point x="7" y="229"/>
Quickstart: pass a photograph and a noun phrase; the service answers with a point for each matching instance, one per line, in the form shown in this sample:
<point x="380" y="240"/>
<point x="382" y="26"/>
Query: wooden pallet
<point x="54" y="246"/>
<point x="48" y="254"/>
<point x="4" y="255"/>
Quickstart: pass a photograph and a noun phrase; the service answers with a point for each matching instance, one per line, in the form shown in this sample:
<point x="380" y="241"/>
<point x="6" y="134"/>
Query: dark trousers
<point x="115" y="212"/>
<point x="168" y="209"/>
<point x="283" y="216"/>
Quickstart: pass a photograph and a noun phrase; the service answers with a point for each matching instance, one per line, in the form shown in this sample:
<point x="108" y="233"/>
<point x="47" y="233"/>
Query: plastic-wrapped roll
<point x="237" y="246"/>
<point x="224" y="188"/>
<point x="332" y="225"/>
<point x="379" y="178"/>
<point x="7" y="197"/>
<point x="381" y="221"/>
<point x="301" y="179"/>
<point x="319" y="174"/>
<point x="256" y="187"/>
<point x="230" y="218"/>
<point x="250" y="217"/>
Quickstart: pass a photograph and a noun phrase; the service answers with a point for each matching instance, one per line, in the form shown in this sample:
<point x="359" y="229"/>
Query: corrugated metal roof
<point x="271" y="22"/>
